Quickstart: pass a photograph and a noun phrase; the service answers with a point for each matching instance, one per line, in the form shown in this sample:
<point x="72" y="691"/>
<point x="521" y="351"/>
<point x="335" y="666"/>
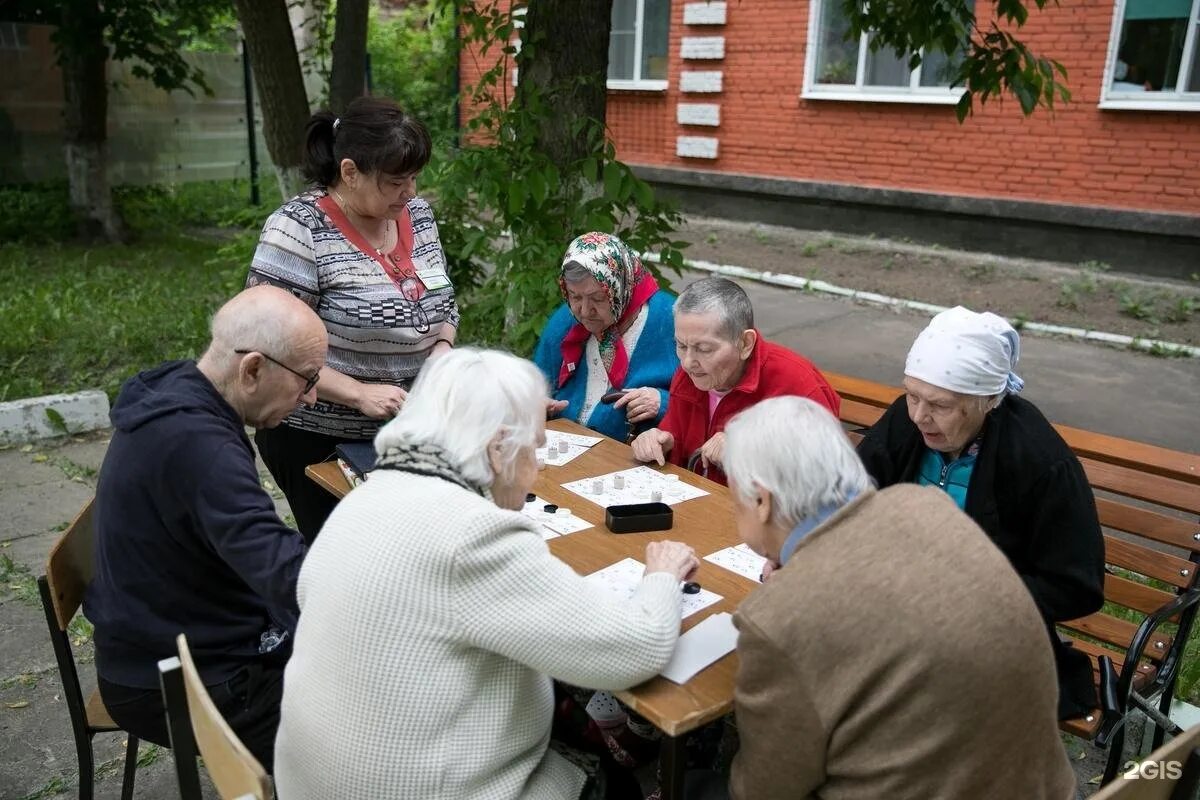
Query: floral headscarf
<point x="619" y="270"/>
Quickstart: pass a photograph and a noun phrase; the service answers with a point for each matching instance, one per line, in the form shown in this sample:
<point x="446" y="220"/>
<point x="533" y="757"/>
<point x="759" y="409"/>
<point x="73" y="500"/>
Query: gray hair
<point x="797" y="451"/>
<point x="720" y="296"/>
<point x="574" y="272"/>
<point x="462" y="400"/>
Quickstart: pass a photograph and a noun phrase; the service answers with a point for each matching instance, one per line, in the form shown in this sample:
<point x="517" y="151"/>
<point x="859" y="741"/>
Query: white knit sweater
<point x="431" y="625"/>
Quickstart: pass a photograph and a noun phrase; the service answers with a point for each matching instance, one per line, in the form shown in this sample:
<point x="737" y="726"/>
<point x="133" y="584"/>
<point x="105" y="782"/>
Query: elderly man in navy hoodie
<point x="187" y="540"/>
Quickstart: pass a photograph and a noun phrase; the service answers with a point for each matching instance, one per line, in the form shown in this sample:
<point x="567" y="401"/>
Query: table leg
<point x="672" y="763"/>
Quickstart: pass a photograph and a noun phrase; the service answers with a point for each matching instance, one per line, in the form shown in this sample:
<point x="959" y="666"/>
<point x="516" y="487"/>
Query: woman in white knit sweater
<point x="434" y="618"/>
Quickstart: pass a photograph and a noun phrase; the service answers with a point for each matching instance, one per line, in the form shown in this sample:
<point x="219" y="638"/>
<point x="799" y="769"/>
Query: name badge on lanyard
<point x="433" y="277"/>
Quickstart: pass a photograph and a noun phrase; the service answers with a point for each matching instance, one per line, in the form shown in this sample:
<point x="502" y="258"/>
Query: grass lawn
<point x="74" y="317"/>
<point x="86" y="316"/>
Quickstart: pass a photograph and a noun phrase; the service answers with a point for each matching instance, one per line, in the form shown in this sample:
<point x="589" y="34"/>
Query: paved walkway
<point x="1118" y="392"/>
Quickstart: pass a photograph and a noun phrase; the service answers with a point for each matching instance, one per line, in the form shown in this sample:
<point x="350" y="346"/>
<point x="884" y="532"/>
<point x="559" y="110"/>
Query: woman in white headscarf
<point x="962" y="427"/>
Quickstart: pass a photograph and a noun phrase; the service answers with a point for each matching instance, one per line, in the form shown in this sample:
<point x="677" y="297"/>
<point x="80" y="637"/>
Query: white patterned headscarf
<point x="968" y="353"/>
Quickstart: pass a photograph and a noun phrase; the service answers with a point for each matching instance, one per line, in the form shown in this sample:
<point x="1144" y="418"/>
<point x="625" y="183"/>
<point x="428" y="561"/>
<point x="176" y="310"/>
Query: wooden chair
<point x="195" y="722"/>
<point x="1148" y="501"/>
<point x="68" y="573"/>
<point x="1172" y="772"/>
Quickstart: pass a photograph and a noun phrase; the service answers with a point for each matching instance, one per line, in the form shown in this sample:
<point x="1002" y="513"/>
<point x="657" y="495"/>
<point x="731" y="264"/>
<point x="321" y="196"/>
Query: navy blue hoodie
<point x="187" y="540"/>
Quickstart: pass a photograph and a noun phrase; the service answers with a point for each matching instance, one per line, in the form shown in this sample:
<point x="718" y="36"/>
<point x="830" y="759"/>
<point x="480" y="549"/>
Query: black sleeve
<point x="1065" y="561"/>
<point x="879" y="449"/>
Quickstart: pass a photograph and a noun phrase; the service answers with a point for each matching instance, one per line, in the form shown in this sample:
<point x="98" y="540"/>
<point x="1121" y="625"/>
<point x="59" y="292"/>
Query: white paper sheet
<point x="624" y="577"/>
<point x="577" y="445"/>
<point x="703" y="645"/>
<point x="740" y="559"/>
<point x="556" y="524"/>
<point x="639" y="485"/>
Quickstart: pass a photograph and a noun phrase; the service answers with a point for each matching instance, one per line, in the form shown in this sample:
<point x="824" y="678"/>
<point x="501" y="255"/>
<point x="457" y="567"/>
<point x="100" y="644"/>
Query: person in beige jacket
<point x="893" y="652"/>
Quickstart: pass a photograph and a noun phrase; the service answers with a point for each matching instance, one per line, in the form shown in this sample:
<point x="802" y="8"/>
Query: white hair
<point x="464" y="399"/>
<point x="574" y="272"/>
<point x="795" y="450"/>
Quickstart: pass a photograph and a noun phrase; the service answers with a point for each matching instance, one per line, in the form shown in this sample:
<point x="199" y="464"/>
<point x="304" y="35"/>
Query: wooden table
<point x="706" y="523"/>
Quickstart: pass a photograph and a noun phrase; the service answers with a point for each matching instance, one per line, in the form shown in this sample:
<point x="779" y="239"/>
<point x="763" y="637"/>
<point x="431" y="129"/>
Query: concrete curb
<point x="1154" y="346"/>
<point x="30" y="418"/>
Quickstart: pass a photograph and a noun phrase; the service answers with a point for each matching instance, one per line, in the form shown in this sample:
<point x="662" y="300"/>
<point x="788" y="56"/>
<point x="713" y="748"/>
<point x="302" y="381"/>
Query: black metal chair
<point x="68" y="572"/>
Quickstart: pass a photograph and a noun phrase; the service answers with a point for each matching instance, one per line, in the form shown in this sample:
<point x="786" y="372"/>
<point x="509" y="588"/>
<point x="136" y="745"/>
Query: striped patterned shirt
<point x="384" y="312"/>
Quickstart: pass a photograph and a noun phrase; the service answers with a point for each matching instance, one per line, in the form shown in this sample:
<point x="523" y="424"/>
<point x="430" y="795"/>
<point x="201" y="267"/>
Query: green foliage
<point x="986" y="61"/>
<point x="507" y="211"/>
<point x="1137" y="305"/>
<point x="35" y="214"/>
<point x="154" y="36"/>
<point x="40" y="213"/>
<point x="414" y="61"/>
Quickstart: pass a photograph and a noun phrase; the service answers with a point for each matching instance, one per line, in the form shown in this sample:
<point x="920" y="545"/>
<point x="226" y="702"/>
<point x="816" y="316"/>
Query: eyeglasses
<point x="309" y="380"/>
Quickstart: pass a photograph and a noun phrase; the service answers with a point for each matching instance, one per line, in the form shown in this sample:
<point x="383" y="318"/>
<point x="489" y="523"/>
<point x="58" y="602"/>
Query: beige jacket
<point x="898" y="655"/>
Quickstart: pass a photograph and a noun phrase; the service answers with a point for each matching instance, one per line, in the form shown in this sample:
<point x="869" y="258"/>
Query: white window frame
<point x="1150" y="101"/>
<point x="638" y="84"/>
<point x="913" y="93"/>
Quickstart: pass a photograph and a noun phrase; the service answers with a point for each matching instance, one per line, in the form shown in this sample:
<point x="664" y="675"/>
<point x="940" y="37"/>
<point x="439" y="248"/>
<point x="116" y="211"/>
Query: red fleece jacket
<point x="771" y="371"/>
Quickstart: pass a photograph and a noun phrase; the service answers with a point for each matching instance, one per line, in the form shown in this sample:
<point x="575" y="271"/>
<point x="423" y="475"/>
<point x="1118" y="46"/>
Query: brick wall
<point x="1079" y="154"/>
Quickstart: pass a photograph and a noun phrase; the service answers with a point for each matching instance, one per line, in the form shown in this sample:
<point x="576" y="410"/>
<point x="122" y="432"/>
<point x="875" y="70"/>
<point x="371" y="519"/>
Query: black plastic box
<point x="638" y="517"/>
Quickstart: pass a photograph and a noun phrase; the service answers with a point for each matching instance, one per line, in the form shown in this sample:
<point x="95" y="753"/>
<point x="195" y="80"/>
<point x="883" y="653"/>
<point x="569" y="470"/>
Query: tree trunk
<point x="348" y="77"/>
<point x="278" y="84"/>
<point x="85" y="124"/>
<point x="564" y="61"/>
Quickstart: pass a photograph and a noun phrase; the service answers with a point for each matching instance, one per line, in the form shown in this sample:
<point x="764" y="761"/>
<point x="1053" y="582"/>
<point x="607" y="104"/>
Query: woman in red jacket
<point x="725" y="366"/>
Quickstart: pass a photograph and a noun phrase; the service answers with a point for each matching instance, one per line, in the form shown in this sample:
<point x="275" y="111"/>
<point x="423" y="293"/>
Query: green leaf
<point x="57" y="423"/>
<point x="612" y="180"/>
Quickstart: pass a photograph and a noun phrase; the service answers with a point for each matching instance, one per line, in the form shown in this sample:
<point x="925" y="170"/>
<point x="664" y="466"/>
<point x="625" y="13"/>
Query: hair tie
<point x="336" y="121"/>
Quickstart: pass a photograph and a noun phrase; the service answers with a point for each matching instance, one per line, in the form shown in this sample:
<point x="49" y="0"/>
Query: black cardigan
<point x="1029" y="493"/>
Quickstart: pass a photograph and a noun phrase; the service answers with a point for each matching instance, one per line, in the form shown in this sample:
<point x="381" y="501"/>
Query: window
<point x="637" y="46"/>
<point x="1152" y="56"/>
<point x="842" y="69"/>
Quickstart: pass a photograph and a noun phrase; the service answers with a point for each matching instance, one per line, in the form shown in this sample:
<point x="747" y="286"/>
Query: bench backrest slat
<point x="1131" y="594"/>
<point x="1149" y="524"/>
<point x="1119" y="633"/>
<point x="1178" y="572"/>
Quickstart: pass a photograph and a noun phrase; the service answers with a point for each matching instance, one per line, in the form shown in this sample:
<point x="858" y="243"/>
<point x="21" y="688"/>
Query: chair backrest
<point x="1162" y="775"/>
<point x="69" y="567"/>
<point x="234" y="770"/>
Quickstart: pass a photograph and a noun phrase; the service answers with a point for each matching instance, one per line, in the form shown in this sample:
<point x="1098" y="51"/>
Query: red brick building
<point x="761" y="109"/>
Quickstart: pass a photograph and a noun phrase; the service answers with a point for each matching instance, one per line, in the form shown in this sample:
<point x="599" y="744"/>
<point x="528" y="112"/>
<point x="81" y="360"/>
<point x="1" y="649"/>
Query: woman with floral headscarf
<point x="961" y="427"/>
<point x="613" y="333"/>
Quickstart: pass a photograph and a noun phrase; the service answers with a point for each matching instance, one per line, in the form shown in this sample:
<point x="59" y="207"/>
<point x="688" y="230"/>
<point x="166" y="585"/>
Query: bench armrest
<point x="1149" y="625"/>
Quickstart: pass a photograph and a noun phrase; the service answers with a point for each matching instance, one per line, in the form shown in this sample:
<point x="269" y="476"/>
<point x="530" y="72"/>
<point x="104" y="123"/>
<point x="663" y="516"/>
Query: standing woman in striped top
<point x="363" y="250"/>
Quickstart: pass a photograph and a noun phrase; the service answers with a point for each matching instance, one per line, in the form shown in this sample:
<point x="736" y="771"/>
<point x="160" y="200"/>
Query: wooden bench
<point x="1148" y="501"/>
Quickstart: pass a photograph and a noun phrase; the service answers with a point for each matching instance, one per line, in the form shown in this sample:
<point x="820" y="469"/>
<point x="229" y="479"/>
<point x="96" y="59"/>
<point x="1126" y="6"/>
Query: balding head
<point x="284" y="341"/>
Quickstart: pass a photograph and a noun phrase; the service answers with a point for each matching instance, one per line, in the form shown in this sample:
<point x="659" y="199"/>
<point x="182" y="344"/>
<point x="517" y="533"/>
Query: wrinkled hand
<point x="380" y="400"/>
<point x="713" y="450"/>
<point x="640" y="404"/>
<point x="653" y="445"/>
<point x="672" y="557"/>
<point x="769" y="569"/>
<point x="554" y="407"/>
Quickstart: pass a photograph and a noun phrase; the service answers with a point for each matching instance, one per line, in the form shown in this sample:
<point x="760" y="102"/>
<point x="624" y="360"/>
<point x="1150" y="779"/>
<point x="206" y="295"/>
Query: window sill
<point x="934" y="98"/>
<point x="1136" y="103"/>
<point x="637" y="86"/>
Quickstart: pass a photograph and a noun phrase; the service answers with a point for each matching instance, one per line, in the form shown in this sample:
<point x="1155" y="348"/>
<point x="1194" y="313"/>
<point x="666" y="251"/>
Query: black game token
<point x="529" y="498"/>
<point x="549" y="508"/>
<point x="691" y="587"/>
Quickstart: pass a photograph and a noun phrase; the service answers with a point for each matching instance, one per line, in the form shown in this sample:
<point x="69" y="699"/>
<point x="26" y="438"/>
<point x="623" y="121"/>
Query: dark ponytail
<point x="320" y="166"/>
<point x="374" y="133"/>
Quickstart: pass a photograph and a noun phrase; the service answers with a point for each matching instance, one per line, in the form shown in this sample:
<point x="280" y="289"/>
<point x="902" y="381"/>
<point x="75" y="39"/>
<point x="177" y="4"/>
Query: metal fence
<point x="153" y="136"/>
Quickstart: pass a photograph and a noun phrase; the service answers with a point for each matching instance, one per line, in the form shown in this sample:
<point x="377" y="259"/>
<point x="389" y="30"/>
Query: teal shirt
<point x="952" y="477"/>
